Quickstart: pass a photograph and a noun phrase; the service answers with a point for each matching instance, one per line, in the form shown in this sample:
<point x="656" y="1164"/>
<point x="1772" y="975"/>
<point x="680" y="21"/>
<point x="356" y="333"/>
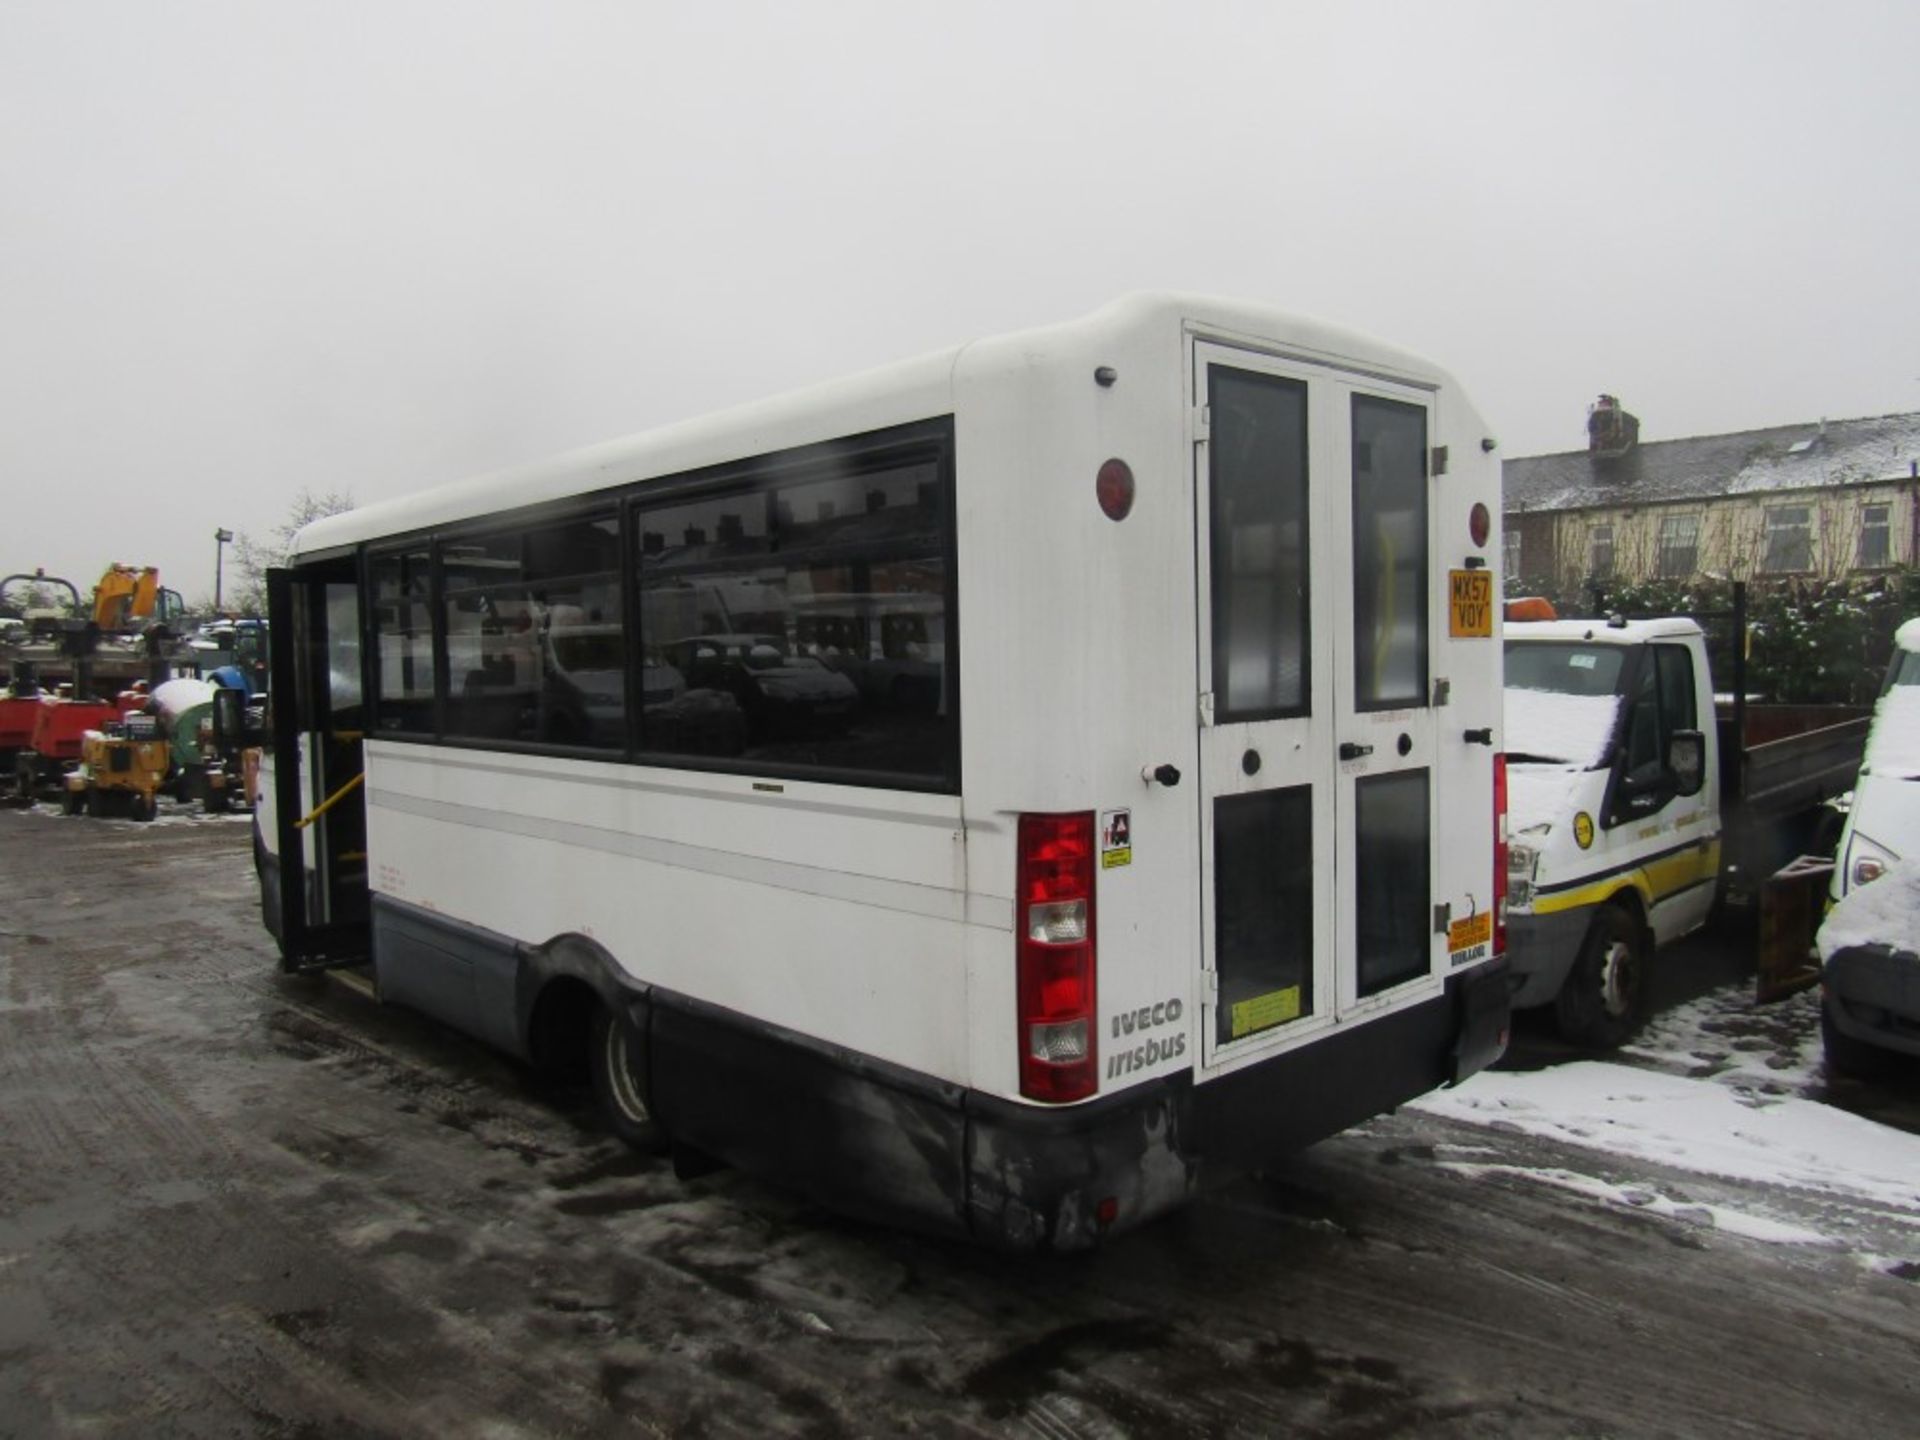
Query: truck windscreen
<point x="1564" y="667"/>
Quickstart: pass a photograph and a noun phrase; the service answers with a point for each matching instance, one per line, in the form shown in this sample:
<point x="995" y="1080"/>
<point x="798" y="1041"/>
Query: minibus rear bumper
<point x="879" y="1142"/>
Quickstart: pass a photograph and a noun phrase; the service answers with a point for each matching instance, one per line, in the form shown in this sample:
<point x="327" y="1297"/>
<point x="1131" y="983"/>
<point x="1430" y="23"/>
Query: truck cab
<point x="1613" y="810"/>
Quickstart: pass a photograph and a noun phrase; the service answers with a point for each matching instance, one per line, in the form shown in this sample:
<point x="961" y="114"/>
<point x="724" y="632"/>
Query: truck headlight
<point x="1867" y="861"/>
<point x="1522" y="860"/>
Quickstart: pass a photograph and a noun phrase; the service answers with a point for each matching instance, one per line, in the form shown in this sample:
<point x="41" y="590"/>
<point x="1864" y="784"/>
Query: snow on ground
<point x="172" y="812"/>
<point x="1697" y="1126"/>
<point x="1645" y="1198"/>
<point x="1722" y="1089"/>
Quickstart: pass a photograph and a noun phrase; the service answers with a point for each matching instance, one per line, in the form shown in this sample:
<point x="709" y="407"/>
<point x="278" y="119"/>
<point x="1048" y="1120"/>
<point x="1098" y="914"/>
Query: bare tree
<point x="253" y="558"/>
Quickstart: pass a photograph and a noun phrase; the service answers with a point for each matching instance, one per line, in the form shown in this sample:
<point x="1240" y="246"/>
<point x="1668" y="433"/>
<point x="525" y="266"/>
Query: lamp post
<point x="221" y="538"/>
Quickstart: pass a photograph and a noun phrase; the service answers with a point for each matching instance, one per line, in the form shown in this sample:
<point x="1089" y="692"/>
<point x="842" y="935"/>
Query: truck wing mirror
<point x="229" y="717"/>
<point x="1645" y="789"/>
<point x="1687" y="759"/>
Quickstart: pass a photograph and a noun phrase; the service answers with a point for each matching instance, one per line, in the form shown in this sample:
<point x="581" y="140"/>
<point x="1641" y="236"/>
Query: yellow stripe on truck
<point x="1667" y="876"/>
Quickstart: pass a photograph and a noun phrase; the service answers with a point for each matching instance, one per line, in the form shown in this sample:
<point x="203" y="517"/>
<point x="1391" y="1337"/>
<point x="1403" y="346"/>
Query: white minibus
<point x="988" y="793"/>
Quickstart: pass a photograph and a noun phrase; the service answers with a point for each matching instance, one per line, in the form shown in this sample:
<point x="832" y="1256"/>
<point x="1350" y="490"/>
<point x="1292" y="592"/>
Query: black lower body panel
<point x="874" y="1140"/>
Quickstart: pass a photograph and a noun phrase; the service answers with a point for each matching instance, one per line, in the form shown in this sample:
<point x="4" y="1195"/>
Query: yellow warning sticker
<point x="1263" y="1012"/>
<point x="1472" y="931"/>
<point x="1583" y="830"/>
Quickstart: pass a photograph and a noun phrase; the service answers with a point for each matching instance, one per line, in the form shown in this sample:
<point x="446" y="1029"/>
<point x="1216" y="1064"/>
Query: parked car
<point x="782" y="693"/>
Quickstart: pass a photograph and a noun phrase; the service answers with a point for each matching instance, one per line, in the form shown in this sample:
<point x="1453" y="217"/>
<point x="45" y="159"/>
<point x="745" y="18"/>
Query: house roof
<point x="1786" y="457"/>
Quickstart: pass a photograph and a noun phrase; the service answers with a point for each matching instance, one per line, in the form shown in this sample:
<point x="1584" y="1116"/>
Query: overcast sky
<point x="247" y="248"/>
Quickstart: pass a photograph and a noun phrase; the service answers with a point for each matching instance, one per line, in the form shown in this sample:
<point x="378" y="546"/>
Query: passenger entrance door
<point x="1317" y="733"/>
<point x="319" y="716"/>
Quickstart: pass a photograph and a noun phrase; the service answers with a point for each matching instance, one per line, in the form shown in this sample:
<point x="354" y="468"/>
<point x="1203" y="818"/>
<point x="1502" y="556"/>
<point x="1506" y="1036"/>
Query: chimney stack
<point x="1611" y="431"/>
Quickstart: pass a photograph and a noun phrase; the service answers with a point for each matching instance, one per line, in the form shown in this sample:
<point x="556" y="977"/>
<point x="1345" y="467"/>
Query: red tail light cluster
<point x="1499" y="854"/>
<point x="1053" y="915"/>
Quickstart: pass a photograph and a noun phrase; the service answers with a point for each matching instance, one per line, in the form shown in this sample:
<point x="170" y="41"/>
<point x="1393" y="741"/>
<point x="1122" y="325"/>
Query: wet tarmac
<point x="238" y="1203"/>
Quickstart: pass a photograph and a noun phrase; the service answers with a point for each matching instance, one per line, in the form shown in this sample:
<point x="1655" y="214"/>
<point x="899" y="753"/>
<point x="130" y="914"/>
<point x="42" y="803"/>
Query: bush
<point x="1808" y="642"/>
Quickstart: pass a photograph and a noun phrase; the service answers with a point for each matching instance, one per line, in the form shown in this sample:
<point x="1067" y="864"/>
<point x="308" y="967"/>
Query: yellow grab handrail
<point x="327" y="804"/>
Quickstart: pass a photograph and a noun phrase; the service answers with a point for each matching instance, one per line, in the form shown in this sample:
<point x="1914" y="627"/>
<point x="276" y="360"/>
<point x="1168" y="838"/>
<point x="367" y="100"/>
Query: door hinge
<point x="1206" y="709"/>
<point x="1442" y="918"/>
<point x="1437" y="461"/>
<point x="1210" y="986"/>
<point x="1202" y="422"/>
<point x="1442" y="690"/>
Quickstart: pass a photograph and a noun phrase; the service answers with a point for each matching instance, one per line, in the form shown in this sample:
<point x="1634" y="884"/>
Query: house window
<point x="1876" y="536"/>
<point x="1600" y="551"/>
<point x="1789" y="539"/>
<point x="1510" y="551"/>
<point x="1679" y="546"/>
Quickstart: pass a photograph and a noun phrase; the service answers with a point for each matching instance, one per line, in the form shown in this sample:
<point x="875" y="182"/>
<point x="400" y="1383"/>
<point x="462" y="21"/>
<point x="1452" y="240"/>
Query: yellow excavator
<point x="126" y="596"/>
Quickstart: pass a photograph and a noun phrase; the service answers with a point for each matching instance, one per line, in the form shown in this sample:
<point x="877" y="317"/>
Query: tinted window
<point x="1389" y="554"/>
<point x="1263" y="909"/>
<point x="802" y="622"/>
<point x="535" y="643"/>
<point x="1258" y="500"/>
<point x="1393" y="900"/>
<point x="401" y="587"/>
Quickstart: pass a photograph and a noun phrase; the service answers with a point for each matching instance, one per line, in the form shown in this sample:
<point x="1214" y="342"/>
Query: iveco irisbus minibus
<point x="986" y="793"/>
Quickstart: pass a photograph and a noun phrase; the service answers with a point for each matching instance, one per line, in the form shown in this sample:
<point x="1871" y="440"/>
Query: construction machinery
<point x="122" y="769"/>
<point x="42" y="735"/>
<point x="127" y="631"/>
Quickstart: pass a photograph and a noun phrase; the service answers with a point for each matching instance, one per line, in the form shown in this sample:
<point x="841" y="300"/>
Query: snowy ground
<point x="1715" y="1090"/>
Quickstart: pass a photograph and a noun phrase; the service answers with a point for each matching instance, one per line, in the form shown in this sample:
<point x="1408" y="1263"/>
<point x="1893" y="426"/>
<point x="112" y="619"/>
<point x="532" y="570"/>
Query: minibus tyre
<point x="1604" y="998"/>
<point x="1848" y="1056"/>
<point x="616" y="1058"/>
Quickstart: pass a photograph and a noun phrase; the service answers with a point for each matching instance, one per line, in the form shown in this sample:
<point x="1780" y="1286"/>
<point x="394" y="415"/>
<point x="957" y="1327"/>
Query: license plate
<point x="1471" y="612"/>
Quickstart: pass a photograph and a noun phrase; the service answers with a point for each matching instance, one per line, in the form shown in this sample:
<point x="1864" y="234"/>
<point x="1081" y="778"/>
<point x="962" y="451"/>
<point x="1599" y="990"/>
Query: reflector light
<point x="1060" y="922"/>
<point x="1479" y="524"/>
<point x="1058" y="1044"/>
<point x="1053" y="892"/>
<point x="1114" y="487"/>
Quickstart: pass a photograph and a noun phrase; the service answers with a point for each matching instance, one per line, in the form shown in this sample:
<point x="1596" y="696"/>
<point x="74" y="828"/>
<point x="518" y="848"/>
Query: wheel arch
<point x="1632" y="898"/>
<point x="560" y="985"/>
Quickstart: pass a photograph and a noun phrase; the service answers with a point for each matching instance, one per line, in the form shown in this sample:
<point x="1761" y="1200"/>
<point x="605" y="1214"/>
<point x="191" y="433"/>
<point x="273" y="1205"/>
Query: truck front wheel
<point x="1604" y="999"/>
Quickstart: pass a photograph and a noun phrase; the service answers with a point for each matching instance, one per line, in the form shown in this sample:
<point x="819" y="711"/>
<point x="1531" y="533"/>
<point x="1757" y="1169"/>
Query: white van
<point x="1883" y="822"/>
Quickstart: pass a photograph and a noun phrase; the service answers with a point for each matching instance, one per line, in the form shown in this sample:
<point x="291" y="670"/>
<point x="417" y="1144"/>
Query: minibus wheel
<point x="616" y="1056"/>
<point x="1604" y="998"/>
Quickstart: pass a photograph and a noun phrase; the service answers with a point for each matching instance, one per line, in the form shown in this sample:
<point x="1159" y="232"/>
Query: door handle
<point x="1351" y="751"/>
